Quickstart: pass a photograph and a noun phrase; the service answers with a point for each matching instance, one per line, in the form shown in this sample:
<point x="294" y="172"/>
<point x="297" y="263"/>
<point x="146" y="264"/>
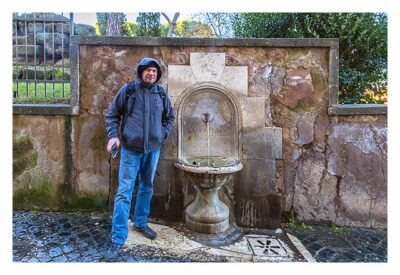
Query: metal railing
<point x="41" y="69"/>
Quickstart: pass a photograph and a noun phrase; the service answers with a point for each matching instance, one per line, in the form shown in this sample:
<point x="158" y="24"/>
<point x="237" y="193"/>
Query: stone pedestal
<point x="207" y="213"/>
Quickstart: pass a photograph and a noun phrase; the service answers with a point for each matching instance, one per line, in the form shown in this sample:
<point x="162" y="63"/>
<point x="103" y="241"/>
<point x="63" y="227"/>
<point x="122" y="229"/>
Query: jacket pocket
<point x="132" y="134"/>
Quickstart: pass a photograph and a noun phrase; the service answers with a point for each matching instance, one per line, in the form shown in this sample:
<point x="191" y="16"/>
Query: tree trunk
<point x="114" y="21"/>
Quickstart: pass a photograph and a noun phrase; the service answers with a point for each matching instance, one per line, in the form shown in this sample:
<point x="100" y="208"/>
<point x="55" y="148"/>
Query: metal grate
<point x="41" y="70"/>
<point x="267" y="246"/>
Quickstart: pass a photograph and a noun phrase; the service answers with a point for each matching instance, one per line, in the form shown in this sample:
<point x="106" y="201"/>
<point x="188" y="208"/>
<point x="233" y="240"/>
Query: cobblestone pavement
<point x="83" y="237"/>
<point x="71" y="237"/>
<point x="343" y="244"/>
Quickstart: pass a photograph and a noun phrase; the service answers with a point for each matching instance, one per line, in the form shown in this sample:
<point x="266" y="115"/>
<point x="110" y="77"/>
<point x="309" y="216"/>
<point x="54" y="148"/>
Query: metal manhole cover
<point x="267" y="246"/>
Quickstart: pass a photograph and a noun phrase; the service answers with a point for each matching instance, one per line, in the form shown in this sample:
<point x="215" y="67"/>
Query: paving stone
<point x="83" y="244"/>
<point x="44" y="259"/>
<point x="60" y="259"/>
<point x="55" y="251"/>
<point x="68" y="248"/>
<point x="33" y="260"/>
<point x="88" y="259"/>
<point x="73" y="257"/>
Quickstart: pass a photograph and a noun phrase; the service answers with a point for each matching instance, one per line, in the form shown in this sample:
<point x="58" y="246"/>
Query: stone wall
<point x="298" y="161"/>
<point x="47" y="165"/>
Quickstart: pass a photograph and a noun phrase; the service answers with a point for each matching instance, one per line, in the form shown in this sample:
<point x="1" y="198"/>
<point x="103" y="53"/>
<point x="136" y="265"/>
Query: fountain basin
<point x="210" y="165"/>
<point x="207" y="213"/>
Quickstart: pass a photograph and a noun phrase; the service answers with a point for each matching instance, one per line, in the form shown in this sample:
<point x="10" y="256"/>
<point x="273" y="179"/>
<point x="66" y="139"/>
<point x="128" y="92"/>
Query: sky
<point x="88" y="18"/>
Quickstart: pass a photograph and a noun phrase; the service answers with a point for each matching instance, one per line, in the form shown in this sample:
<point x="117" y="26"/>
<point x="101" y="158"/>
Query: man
<point x="139" y="119"/>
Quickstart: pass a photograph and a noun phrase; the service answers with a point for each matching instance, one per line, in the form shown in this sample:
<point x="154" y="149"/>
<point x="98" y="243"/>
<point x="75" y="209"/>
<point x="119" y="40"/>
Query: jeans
<point x="132" y="163"/>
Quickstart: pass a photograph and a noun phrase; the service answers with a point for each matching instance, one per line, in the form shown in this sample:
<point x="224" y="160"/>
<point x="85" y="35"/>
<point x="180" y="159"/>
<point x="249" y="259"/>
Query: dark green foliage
<point x="362" y="45"/>
<point x="148" y="24"/>
<point x="101" y="22"/>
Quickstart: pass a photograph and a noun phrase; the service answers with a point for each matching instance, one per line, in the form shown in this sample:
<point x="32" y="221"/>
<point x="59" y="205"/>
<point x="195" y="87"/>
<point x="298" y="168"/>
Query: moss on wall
<point x="24" y="155"/>
<point x="50" y="196"/>
<point x="41" y="196"/>
<point x="319" y="80"/>
<point x="86" y="201"/>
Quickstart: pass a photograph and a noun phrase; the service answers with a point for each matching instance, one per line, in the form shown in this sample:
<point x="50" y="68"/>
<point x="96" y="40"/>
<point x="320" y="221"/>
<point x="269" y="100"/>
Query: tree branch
<point x="166" y="18"/>
<point x="172" y="23"/>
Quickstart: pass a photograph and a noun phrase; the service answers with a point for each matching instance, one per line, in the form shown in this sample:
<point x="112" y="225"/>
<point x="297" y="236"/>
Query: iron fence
<point x="41" y="68"/>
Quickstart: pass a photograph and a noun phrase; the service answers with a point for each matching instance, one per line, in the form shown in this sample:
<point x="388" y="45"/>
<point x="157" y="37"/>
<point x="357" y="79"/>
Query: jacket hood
<point x="148" y="62"/>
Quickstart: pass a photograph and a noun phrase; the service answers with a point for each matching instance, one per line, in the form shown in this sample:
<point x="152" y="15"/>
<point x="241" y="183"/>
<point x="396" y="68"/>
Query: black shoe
<point x="112" y="253"/>
<point x="146" y="231"/>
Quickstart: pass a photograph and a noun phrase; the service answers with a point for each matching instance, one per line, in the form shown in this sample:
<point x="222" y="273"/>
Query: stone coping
<point x="206" y="42"/>
<point x="357" y="109"/>
<point x="44" y="109"/>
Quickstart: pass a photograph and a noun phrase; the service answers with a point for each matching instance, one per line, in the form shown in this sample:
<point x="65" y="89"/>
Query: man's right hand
<point x="111" y="142"/>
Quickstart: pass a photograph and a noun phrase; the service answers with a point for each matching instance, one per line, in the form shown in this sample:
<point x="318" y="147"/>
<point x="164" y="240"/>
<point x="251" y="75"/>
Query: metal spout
<point x="207" y="117"/>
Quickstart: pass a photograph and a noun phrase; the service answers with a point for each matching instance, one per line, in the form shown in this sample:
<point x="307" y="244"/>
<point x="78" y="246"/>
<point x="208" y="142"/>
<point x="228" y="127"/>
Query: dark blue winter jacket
<point x="143" y="119"/>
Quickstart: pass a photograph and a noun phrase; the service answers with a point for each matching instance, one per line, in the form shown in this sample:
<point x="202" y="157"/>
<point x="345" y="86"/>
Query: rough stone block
<point x="363" y="203"/>
<point x="264" y="143"/>
<point x="277" y="79"/>
<point x="298" y="87"/>
<point x="308" y="185"/>
<point x="305" y="131"/>
<point x="260" y="211"/>
<point x="235" y="78"/>
<point x="257" y="177"/>
<point x="179" y="78"/>
<point x="260" y="80"/>
<point x="253" y="112"/>
<point x="207" y="66"/>
<point x="358" y="158"/>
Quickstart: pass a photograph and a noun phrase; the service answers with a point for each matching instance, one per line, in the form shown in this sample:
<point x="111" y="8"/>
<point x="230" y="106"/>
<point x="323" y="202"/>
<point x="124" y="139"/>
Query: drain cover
<point x="267" y="246"/>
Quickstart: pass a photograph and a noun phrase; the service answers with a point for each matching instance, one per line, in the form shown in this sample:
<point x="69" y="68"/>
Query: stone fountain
<point x="208" y="145"/>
